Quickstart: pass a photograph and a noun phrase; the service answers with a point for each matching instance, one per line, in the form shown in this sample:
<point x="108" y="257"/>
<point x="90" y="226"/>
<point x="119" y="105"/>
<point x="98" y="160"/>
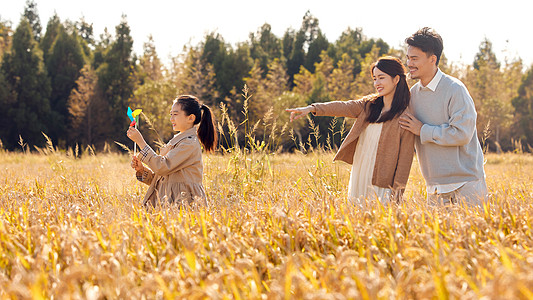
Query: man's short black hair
<point x="427" y="40"/>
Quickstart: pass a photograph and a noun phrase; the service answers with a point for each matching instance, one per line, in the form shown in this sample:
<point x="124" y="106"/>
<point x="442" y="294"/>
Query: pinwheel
<point x="134" y="117"/>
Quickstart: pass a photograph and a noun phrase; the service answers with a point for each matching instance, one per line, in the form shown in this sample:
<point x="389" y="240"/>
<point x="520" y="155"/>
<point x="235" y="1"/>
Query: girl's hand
<point x="136" y="164"/>
<point x="136" y="136"/>
<point x="299" y="112"/>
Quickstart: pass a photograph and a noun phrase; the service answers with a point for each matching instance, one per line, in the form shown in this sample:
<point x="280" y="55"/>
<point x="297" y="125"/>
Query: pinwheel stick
<point x="135" y="144"/>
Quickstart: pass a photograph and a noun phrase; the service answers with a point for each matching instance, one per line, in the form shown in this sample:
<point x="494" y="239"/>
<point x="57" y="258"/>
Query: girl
<point x="175" y="175"/>
<point x="380" y="151"/>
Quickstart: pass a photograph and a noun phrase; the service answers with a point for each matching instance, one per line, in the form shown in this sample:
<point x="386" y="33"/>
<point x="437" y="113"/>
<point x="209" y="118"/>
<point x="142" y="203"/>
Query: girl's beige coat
<point x="175" y="175"/>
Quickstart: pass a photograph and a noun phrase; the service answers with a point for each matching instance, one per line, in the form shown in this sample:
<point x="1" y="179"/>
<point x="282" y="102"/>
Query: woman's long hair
<point x="207" y="132"/>
<point x="392" y="67"/>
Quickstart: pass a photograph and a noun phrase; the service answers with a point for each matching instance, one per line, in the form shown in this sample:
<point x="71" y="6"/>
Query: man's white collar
<point x="432" y="85"/>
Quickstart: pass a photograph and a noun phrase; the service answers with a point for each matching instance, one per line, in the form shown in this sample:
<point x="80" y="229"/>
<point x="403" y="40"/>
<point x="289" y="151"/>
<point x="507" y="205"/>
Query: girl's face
<point x="385" y="85"/>
<point x="179" y="119"/>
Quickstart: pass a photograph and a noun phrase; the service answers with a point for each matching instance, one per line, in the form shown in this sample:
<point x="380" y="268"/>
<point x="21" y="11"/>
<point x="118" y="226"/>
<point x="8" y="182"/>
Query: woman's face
<point x="384" y="84"/>
<point x="179" y="119"/>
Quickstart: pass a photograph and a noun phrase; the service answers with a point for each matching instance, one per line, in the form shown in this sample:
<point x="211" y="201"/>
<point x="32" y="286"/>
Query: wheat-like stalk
<point x="124" y="147"/>
<point x="151" y="126"/>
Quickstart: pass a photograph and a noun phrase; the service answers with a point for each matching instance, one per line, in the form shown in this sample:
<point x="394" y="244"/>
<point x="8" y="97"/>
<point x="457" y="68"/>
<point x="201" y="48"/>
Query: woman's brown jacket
<point x="395" y="148"/>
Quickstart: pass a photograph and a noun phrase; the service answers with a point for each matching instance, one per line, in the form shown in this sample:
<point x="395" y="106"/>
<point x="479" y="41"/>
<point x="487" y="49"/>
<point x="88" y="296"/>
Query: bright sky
<point x="463" y="24"/>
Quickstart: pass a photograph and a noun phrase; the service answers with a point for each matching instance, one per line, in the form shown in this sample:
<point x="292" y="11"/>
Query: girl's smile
<point x="179" y="120"/>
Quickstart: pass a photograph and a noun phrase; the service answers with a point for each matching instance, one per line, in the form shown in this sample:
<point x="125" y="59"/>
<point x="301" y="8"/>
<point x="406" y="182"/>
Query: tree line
<point x="76" y="87"/>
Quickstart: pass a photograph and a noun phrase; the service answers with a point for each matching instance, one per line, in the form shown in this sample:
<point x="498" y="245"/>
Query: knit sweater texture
<point x="448" y="148"/>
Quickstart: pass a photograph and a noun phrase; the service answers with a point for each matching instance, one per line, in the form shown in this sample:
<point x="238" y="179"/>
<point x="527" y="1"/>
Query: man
<point x="443" y="120"/>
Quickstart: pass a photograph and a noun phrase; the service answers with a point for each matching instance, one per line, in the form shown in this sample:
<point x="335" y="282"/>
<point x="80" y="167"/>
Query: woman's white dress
<point x="364" y="159"/>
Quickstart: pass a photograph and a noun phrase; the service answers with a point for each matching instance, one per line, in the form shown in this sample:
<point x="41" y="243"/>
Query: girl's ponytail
<point x="207" y="131"/>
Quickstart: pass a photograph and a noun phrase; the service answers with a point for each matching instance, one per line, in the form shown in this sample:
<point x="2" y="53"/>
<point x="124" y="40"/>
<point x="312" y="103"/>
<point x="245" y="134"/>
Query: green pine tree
<point x="52" y="31"/>
<point x="296" y="57"/>
<point x="342" y="80"/>
<point x="154" y="95"/>
<point x="65" y="60"/>
<point x="32" y="15"/>
<point x="195" y="76"/>
<point x="348" y="43"/>
<point x="85" y="30"/>
<point x="117" y="81"/>
<point x="150" y="64"/>
<point x="23" y="68"/>
<point x="88" y="112"/>
<point x="5" y="37"/>
<point x="101" y="48"/>
<point x="230" y="65"/>
<point x="7" y="101"/>
<point x="523" y="109"/>
<point x="265" y="47"/>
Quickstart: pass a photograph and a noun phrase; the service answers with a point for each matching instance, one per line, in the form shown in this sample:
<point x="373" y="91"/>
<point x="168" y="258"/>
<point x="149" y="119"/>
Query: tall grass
<point x="278" y="227"/>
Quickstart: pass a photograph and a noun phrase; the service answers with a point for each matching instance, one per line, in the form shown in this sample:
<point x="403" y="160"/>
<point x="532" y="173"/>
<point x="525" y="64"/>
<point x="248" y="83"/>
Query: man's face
<point x="421" y="66"/>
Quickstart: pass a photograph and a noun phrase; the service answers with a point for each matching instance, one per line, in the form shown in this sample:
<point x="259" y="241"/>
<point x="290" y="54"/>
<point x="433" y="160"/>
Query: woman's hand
<point x="136" y="164"/>
<point x="299" y="112"/>
<point x="136" y="136"/>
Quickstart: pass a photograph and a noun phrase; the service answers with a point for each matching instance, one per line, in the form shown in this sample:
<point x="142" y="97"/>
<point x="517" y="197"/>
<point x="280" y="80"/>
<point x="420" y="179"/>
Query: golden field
<point x="278" y="227"/>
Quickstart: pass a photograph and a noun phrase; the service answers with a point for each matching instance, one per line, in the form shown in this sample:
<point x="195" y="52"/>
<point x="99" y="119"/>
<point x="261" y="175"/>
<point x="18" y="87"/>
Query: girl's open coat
<point x="175" y="175"/>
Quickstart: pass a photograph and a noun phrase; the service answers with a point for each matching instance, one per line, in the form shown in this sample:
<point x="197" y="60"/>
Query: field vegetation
<point x="278" y="227"/>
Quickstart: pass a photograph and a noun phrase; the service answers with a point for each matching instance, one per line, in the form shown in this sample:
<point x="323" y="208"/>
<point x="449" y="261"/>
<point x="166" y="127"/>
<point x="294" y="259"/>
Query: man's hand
<point x="409" y="122"/>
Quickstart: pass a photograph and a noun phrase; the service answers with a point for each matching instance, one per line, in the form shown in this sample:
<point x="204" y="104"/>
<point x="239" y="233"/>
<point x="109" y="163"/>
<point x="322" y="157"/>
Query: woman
<point x="175" y="175"/>
<point x="380" y="151"/>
